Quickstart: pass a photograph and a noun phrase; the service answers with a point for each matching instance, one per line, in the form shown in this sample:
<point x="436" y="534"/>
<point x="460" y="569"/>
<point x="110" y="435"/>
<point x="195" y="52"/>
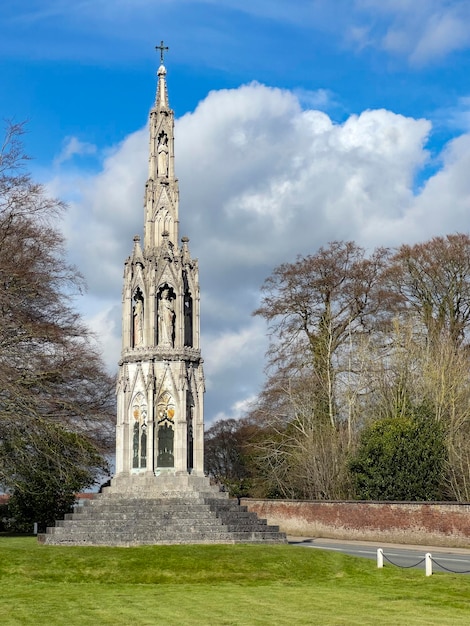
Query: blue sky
<point x="298" y="122"/>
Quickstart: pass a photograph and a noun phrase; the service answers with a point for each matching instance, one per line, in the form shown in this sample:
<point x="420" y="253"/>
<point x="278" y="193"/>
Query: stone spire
<point x="161" y="101"/>
<point x="161" y="194"/>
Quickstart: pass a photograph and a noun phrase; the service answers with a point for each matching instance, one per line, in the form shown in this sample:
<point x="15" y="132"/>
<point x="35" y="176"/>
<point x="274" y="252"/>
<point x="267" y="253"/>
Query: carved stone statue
<point x="162" y="152"/>
<point x="166" y="319"/>
<point x="138" y="321"/>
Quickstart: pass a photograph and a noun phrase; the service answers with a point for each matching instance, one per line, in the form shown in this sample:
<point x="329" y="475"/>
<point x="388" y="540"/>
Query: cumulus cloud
<point x="74" y="147"/>
<point x="261" y="180"/>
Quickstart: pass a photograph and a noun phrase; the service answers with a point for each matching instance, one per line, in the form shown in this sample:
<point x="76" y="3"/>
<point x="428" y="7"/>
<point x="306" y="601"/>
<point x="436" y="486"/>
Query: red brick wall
<point x="446" y="524"/>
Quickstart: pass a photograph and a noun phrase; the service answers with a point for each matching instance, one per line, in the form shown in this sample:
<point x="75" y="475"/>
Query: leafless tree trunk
<point x="51" y="372"/>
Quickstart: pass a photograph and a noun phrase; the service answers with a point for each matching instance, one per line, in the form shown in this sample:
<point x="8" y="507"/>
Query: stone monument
<point x="160" y="429"/>
<point x="159" y="493"/>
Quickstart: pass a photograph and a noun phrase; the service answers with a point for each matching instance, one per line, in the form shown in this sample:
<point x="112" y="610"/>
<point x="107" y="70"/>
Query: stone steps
<point x="116" y="519"/>
<point x="153" y="523"/>
<point x="115" y="525"/>
<point x="123" y="513"/>
<point x="138" y="538"/>
<point x="158" y="537"/>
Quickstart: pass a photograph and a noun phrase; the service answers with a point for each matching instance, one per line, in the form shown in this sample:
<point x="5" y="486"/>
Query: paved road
<point x="456" y="560"/>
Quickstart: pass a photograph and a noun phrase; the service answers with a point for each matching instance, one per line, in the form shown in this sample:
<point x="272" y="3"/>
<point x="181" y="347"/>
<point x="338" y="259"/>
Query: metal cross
<point x="161" y="47"/>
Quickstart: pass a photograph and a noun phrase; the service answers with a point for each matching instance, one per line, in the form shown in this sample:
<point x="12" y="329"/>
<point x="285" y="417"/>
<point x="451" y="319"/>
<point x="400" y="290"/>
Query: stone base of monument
<point x="141" y="510"/>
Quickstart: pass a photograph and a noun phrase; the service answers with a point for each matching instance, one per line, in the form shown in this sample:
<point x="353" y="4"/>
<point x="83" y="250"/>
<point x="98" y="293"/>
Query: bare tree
<point x="315" y="306"/>
<point x="410" y="371"/>
<point x="356" y="339"/>
<point x="297" y="454"/>
<point x="321" y="311"/>
<point x="224" y="454"/>
<point x="433" y="280"/>
<point x="51" y="371"/>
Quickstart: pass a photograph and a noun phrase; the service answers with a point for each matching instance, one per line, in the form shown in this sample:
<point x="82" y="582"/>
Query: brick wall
<point x="446" y="524"/>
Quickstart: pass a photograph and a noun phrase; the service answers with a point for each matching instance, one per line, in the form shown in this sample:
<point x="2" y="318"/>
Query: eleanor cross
<point x="161" y="47"/>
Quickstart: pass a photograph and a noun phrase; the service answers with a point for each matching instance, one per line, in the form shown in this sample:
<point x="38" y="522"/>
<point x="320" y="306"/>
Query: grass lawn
<point x="217" y="585"/>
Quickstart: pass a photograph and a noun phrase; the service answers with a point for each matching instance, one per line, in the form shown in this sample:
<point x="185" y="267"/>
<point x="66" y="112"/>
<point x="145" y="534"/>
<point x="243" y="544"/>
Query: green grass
<point x="217" y="586"/>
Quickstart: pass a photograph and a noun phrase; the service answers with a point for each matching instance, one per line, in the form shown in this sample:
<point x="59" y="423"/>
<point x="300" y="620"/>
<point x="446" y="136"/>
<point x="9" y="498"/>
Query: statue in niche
<point x="138" y="320"/>
<point x="188" y="320"/>
<point x="162" y="152"/>
<point x="166" y="319"/>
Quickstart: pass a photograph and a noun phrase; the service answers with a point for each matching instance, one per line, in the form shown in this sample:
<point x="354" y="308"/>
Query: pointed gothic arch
<point x="187" y="313"/>
<point x="189" y="431"/>
<point x="139" y="413"/>
<point x="163" y="219"/>
<point x="165" y="431"/>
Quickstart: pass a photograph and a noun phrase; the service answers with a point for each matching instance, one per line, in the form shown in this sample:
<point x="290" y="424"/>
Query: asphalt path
<point x="456" y="560"/>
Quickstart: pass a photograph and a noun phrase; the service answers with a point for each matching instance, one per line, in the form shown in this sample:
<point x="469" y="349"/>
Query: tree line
<point x="56" y="398"/>
<point x="367" y="389"/>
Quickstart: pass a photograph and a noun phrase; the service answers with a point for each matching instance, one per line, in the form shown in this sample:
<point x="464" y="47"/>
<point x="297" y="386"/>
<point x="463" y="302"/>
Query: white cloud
<point x="322" y="99"/>
<point x="456" y="117"/>
<point x="261" y="181"/>
<point x="106" y="327"/>
<point x="236" y="410"/>
<point x="106" y="210"/>
<point x="74" y="147"/>
<point x="239" y="345"/>
<point x="423" y="30"/>
<point x="443" y="206"/>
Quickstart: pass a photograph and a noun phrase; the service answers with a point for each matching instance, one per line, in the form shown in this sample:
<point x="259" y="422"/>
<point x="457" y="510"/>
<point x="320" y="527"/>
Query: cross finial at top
<point x="161" y="47"/>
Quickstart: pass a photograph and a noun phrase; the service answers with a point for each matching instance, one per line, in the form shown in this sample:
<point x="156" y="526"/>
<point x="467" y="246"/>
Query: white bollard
<point x="428" y="557"/>
<point x="380" y="558"/>
<point x="35" y="528"/>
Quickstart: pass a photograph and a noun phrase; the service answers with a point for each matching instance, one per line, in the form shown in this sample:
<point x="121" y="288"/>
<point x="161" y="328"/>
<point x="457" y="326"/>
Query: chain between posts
<point x="447" y="569"/>
<point x="427" y="558"/>
<point x="404" y="566"/>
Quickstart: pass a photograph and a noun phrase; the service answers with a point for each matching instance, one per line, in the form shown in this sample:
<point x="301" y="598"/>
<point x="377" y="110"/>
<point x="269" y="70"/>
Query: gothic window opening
<point x="139" y="432"/>
<point x="187" y="313"/>
<point x="138" y="319"/>
<point x="190" y="432"/>
<point x="165" y="433"/>
<point x="166" y="317"/>
<point x="162" y="217"/>
<point x="164" y="220"/>
<point x="188" y="319"/>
